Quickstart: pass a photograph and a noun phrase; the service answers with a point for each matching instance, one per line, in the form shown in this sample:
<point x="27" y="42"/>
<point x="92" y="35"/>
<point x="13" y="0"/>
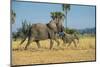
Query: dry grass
<point x="84" y="52"/>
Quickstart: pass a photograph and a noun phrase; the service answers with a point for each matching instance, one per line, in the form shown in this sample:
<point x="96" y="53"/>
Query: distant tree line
<point x="90" y="31"/>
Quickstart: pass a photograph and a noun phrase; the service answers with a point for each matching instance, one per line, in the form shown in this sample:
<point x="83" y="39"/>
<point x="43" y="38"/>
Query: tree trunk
<point x="66" y="19"/>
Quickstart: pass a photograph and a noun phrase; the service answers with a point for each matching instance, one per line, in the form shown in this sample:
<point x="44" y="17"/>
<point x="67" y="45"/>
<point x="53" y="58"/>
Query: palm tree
<point x="65" y="8"/>
<point x="13" y="16"/>
<point x="57" y="15"/>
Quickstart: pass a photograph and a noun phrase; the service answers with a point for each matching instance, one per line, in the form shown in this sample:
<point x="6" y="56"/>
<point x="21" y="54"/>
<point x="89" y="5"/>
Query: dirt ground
<point x="33" y="55"/>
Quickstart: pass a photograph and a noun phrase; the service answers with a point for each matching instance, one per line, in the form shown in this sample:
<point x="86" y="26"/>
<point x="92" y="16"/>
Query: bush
<point x="71" y="31"/>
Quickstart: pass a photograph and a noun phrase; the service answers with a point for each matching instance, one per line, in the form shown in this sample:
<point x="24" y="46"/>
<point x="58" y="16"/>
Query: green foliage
<point x="13" y="16"/>
<point x="71" y="31"/>
<point x="14" y="35"/>
<point x="58" y="15"/>
<point x="65" y="7"/>
<point x="22" y="31"/>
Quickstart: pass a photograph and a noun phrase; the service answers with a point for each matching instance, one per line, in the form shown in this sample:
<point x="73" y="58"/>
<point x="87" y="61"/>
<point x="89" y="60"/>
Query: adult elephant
<point x="41" y="31"/>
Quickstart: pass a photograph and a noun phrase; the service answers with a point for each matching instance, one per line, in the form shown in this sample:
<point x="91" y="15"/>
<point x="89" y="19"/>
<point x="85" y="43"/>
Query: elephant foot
<point x="25" y="48"/>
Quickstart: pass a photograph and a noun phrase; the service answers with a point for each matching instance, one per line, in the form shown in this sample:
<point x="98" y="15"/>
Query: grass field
<point x="33" y="55"/>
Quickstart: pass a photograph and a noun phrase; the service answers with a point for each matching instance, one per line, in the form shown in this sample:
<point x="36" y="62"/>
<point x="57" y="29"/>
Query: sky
<point x="79" y="16"/>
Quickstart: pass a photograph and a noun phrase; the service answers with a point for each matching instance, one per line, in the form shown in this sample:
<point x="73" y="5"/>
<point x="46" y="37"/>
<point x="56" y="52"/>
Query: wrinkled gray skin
<point x="69" y="38"/>
<point x="41" y="31"/>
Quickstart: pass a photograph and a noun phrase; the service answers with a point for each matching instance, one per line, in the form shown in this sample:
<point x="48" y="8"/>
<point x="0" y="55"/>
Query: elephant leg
<point x="74" y="43"/>
<point x="58" y="43"/>
<point x="38" y="44"/>
<point x="64" y="42"/>
<point x="28" y="43"/>
<point x="78" y="41"/>
<point x="22" y="41"/>
<point x="51" y="43"/>
<point x="69" y="43"/>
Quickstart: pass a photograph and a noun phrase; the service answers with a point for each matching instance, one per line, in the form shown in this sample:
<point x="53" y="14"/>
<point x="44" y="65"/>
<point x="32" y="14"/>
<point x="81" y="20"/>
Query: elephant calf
<point x="69" y="38"/>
